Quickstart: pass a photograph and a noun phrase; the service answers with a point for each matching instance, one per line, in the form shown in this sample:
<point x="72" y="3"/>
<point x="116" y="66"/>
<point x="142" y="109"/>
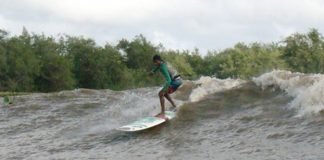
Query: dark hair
<point x="157" y="57"/>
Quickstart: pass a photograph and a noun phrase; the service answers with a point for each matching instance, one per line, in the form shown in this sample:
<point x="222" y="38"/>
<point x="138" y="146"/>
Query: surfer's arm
<point x="166" y="74"/>
<point x="153" y="70"/>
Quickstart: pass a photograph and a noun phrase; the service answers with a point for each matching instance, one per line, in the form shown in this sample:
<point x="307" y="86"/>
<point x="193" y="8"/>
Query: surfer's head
<point x="157" y="60"/>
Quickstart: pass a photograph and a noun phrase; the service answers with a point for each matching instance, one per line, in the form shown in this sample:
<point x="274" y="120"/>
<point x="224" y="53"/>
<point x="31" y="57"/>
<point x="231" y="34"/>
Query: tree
<point x="3" y="61"/>
<point x="304" y="52"/>
<point x="195" y="61"/>
<point x="84" y="55"/>
<point x="178" y="61"/>
<point x="55" y="69"/>
<point x="22" y="64"/>
<point x="139" y="52"/>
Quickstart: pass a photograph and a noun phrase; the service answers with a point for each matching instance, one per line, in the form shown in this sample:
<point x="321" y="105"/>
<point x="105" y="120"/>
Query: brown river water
<point x="276" y="116"/>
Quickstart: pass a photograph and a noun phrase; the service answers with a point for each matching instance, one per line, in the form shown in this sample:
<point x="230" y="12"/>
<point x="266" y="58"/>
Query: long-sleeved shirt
<point x="165" y="72"/>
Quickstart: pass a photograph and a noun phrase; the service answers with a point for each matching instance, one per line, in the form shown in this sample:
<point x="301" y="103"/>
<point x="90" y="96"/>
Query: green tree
<point x="21" y="62"/>
<point x="84" y="54"/>
<point x="55" y="69"/>
<point x="196" y="62"/>
<point x="113" y="69"/>
<point x="179" y="62"/>
<point x="3" y="61"/>
<point x="244" y="61"/>
<point x="304" y="52"/>
<point x="139" y="52"/>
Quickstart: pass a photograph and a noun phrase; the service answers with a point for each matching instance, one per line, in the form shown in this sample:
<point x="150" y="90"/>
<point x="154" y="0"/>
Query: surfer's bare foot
<point x="161" y="114"/>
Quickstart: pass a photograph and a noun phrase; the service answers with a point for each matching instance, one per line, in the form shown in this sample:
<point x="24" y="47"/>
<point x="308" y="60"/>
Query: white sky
<point x="177" y="24"/>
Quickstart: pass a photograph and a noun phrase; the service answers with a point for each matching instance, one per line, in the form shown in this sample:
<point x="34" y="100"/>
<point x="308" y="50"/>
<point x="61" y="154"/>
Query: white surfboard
<point x="147" y="122"/>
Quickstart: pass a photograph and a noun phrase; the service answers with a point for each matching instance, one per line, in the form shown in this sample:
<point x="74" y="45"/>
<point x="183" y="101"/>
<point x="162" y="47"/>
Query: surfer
<point x="172" y="81"/>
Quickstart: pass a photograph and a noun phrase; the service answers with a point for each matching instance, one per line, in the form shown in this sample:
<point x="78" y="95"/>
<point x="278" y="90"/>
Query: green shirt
<point x="165" y="72"/>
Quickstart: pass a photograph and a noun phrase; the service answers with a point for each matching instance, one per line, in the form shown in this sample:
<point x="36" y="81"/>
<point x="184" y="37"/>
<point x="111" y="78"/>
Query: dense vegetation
<point x="33" y="62"/>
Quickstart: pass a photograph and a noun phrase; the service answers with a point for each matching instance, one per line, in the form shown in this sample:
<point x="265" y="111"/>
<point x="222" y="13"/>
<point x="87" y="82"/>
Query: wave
<point x="306" y="89"/>
<point x="210" y="85"/>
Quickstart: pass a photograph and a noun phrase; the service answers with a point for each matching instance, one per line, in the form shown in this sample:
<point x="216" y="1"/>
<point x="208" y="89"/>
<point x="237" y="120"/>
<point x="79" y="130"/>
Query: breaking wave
<point x="210" y="85"/>
<point x="306" y="89"/>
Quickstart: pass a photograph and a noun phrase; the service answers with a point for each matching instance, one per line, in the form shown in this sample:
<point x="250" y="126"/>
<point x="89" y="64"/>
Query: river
<point x="276" y="116"/>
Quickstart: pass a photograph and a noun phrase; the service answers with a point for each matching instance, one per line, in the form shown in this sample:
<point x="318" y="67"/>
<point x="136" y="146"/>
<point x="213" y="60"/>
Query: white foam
<point x="210" y="85"/>
<point x="307" y="89"/>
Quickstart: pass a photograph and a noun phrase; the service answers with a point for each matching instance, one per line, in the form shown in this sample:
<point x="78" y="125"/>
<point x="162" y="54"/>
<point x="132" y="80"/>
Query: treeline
<point x="36" y="62"/>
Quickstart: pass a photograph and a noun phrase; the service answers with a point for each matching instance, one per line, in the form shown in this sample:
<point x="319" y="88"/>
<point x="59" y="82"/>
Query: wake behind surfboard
<point x="147" y="122"/>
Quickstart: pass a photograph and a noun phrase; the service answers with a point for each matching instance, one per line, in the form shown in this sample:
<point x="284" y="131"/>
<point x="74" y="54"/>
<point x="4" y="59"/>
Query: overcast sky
<point x="177" y="24"/>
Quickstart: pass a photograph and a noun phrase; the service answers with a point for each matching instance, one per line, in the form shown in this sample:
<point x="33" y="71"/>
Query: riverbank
<point x="4" y="94"/>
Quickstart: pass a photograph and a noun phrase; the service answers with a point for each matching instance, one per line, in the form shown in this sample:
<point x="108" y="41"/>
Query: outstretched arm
<point x="153" y="71"/>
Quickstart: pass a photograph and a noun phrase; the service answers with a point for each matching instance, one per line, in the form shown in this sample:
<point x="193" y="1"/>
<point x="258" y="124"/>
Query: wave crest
<point x="306" y="89"/>
<point x="209" y="85"/>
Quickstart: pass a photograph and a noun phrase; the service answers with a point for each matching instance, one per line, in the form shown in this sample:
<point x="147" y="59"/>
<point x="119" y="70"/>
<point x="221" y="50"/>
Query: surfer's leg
<point x="161" y="95"/>
<point x="167" y="96"/>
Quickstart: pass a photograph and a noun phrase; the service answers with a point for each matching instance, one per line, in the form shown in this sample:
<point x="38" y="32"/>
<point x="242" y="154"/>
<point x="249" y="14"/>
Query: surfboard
<point x="147" y="122"/>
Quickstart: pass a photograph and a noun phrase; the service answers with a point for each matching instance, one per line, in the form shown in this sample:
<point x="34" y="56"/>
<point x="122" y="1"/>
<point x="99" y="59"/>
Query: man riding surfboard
<point x="172" y="82"/>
